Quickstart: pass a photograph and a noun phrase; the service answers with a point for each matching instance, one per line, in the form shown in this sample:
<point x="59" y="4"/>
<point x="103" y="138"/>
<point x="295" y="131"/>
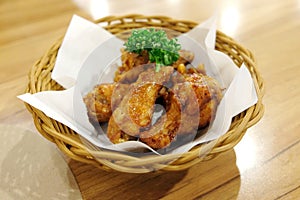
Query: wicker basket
<point x="70" y="143"/>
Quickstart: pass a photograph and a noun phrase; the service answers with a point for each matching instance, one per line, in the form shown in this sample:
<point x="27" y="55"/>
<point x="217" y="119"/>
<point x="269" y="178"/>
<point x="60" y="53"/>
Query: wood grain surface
<point x="264" y="165"/>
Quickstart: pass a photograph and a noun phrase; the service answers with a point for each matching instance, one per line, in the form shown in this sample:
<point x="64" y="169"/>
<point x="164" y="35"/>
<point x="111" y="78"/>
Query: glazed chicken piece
<point x="164" y="131"/>
<point x="141" y="103"/>
<point x="136" y="108"/>
<point x="208" y="93"/>
<point x="115" y="134"/>
<point x="98" y="101"/>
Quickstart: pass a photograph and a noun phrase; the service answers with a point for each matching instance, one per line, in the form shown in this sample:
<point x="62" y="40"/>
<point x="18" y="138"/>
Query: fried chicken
<point x="115" y="134"/>
<point x="208" y="94"/>
<point x="190" y="100"/>
<point x="164" y="131"/>
<point x="136" y="108"/>
<point x="99" y="101"/>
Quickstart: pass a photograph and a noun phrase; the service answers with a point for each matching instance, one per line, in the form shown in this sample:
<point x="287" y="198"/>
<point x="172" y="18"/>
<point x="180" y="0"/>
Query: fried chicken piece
<point x="141" y="103"/>
<point x="208" y="93"/>
<point x="164" y="131"/>
<point x="98" y="101"/>
<point x="136" y="109"/>
<point x="190" y="112"/>
<point x="208" y="112"/>
<point x="118" y="94"/>
<point x="115" y="134"/>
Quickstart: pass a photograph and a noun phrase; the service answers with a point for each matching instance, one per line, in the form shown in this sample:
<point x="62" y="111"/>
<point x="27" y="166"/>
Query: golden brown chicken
<point x="98" y="101"/>
<point x="136" y="108"/>
<point x="115" y="134"/>
<point x="191" y="105"/>
<point x="164" y="131"/>
<point x="208" y="94"/>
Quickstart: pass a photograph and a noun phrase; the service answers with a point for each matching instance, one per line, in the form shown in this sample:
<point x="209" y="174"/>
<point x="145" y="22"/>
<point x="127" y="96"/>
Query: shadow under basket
<point x="73" y="146"/>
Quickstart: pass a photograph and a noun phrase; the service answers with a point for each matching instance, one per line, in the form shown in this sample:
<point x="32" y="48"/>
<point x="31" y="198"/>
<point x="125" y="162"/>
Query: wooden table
<point x="264" y="165"/>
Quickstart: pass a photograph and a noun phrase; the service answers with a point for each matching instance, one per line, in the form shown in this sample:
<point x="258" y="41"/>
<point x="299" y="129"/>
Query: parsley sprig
<point x="161" y="50"/>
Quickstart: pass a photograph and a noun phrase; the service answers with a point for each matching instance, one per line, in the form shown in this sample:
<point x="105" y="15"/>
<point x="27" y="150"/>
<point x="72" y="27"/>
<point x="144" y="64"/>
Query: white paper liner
<point x="88" y="49"/>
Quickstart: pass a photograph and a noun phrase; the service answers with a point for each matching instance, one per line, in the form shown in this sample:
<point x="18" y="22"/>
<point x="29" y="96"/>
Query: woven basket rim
<point x="68" y="141"/>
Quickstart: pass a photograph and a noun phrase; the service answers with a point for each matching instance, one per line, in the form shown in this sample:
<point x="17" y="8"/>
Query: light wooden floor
<point x="264" y="165"/>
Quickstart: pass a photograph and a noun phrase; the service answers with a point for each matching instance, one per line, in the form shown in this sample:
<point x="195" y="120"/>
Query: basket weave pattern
<point x="70" y="143"/>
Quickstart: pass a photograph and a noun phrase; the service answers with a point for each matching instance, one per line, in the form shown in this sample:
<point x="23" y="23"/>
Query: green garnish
<point x="161" y="50"/>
